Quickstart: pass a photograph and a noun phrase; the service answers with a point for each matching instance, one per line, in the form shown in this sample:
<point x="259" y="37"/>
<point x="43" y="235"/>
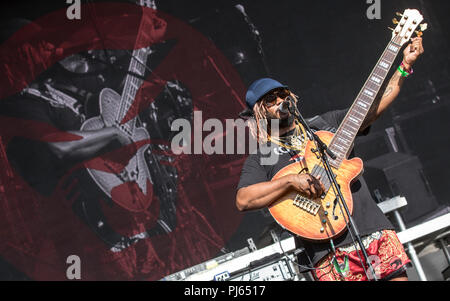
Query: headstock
<point x="406" y="27"/>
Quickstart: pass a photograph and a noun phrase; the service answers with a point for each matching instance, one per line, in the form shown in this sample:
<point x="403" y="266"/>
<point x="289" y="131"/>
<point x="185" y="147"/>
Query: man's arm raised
<point x="390" y="90"/>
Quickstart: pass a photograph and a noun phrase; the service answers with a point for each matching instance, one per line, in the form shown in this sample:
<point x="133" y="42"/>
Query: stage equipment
<point x="401" y="174"/>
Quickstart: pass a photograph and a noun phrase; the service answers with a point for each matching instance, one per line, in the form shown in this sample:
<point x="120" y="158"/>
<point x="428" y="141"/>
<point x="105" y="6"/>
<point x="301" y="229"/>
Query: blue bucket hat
<point x="259" y="88"/>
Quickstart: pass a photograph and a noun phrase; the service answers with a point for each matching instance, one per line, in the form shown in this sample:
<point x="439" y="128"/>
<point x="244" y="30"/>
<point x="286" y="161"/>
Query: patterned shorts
<point x="384" y="250"/>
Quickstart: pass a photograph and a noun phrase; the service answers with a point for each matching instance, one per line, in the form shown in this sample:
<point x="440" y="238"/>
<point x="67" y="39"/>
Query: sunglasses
<point x="271" y="99"/>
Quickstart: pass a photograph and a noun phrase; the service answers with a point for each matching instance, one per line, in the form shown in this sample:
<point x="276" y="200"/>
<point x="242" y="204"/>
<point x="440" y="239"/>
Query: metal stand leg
<point x="415" y="260"/>
<point x="411" y="250"/>
<point x="446" y="271"/>
<point x="444" y="248"/>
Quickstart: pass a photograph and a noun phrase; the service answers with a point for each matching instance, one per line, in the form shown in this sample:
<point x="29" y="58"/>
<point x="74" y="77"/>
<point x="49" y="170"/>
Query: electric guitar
<point x="126" y="186"/>
<point x="322" y="219"/>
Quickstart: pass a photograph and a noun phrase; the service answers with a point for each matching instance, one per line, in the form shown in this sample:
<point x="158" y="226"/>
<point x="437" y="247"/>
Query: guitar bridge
<point x="307" y="205"/>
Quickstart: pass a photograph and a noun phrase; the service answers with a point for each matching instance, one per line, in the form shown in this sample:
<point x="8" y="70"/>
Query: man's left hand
<point x="412" y="52"/>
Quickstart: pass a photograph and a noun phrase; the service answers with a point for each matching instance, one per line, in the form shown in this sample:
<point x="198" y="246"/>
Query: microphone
<point x="241" y="9"/>
<point x="286" y="106"/>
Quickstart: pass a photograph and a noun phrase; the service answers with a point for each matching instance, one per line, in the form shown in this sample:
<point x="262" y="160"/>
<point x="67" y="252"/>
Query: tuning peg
<point x="391" y="29"/>
<point x="423" y="26"/>
<point x="395" y="21"/>
<point x="418" y="33"/>
<point x="401" y="15"/>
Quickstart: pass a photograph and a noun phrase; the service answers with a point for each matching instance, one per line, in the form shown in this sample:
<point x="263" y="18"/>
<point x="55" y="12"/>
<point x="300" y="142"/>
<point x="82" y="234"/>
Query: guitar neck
<point x="343" y="140"/>
<point x="133" y="81"/>
<point x="136" y="72"/>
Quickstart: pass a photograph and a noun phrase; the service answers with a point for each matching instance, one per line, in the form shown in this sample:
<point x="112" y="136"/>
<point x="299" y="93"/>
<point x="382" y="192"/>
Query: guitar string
<point x="388" y="55"/>
<point x="334" y="188"/>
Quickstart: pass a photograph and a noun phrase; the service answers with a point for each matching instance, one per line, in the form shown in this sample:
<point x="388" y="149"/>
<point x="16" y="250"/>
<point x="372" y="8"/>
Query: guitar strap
<point x="317" y="123"/>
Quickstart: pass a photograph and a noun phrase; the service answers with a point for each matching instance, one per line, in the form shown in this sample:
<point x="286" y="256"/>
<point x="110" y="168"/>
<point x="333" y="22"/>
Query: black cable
<point x="345" y="219"/>
<point x="330" y="175"/>
<point x="351" y="234"/>
<point x="299" y="265"/>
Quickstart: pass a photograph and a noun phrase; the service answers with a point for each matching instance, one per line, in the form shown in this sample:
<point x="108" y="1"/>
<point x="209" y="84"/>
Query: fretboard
<point x="136" y="72"/>
<point x="342" y="141"/>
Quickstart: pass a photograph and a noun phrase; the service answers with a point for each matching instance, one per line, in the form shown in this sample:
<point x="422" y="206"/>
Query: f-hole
<point x="335" y="202"/>
<point x="335" y="217"/>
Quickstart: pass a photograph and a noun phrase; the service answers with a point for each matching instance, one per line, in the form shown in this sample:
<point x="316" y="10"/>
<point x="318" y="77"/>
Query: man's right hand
<point x="307" y="185"/>
<point x="93" y="143"/>
<point x="121" y="137"/>
<point x="261" y="195"/>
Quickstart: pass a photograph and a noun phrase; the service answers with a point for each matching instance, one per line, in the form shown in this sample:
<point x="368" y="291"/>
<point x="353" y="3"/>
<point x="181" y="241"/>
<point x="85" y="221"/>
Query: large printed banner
<point x="88" y="172"/>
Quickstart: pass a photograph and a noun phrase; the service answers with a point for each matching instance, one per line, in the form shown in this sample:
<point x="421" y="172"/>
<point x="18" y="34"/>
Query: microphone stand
<point x="321" y="149"/>
<point x="256" y="36"/>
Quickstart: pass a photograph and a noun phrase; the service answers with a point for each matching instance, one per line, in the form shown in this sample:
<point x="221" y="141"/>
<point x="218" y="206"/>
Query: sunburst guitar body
<point x="319" y="219"/>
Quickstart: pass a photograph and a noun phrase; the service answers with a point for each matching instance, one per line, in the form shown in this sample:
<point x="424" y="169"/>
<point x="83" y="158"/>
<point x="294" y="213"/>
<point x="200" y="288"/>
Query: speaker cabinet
<point x="395" y="174"/>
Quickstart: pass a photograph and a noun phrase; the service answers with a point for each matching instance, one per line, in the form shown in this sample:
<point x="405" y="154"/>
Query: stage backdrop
<point x="142" y="65"/>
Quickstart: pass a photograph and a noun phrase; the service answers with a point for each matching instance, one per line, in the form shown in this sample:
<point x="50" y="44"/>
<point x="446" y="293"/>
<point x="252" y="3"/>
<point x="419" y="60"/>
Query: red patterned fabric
<point x="384" y="250"/>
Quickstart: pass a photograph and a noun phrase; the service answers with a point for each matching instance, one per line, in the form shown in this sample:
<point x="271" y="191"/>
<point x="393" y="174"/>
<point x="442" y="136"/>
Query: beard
<point x="284" y="122"/>
<point x="287" y="121"/>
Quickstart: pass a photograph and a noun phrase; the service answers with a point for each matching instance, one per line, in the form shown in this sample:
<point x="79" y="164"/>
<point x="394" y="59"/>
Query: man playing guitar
<point x="258" y="189"/>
